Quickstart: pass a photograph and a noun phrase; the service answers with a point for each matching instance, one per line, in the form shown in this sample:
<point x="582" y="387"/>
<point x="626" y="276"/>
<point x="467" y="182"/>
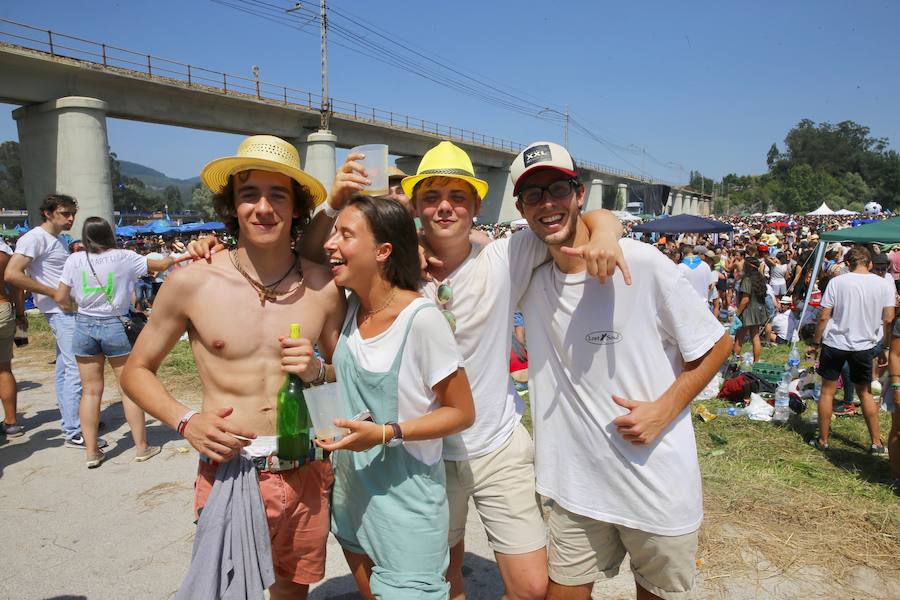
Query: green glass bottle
<point x="292" y="415"/>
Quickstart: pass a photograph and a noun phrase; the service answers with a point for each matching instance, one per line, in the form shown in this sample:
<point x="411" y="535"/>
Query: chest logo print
<point x="603" y="338"/>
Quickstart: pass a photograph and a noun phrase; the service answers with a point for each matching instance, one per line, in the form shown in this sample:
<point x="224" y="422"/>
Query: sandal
<point x="147" y="454"/>
<point x="815" y="443"/>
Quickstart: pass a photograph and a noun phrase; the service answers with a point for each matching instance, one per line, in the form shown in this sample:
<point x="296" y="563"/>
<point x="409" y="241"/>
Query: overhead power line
<point x="353" y="34"/>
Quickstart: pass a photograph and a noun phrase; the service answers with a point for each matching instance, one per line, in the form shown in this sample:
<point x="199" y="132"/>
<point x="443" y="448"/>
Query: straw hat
<point x="445" y="160"/>
<point x="262" y="153"/>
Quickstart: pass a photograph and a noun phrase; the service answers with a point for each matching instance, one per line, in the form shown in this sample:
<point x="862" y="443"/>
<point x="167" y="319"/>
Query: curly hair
<point x="223" y="203"/>
<point x="757" y="281"/>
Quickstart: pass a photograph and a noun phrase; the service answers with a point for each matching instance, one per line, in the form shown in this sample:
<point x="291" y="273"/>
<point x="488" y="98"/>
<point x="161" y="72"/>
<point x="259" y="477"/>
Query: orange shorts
<point x="297" y="508"/>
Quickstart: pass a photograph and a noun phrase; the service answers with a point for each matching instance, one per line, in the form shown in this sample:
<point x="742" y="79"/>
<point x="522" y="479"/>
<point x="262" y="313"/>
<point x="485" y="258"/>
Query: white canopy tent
<point x="775" y="213"/>
<point x="845" y="213"/>
<point x="822" y="210"/>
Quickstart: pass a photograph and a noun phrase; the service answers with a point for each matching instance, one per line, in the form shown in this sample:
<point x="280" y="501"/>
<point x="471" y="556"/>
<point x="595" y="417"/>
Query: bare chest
<point x="234" y="323"/>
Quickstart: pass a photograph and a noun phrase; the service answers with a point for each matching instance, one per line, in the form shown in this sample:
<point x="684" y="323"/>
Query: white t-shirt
<point x="699" y="276"/>
<point x="117" y="271"/>
<point x="486" y="288"/>
<point x="5" y="248"/>
<point x="778" y="273"/>
<point x="430" y="356"/>
<point x="48" y="254"/>
<point x="781" y="324"/>
<point x="588" y="341"/>
<point x="857" y="301"/>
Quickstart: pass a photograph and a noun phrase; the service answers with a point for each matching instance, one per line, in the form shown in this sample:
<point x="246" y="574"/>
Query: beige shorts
<point x="7" y="331"/>
<point x="583" y="550"/>
<point x="502" y="486"/>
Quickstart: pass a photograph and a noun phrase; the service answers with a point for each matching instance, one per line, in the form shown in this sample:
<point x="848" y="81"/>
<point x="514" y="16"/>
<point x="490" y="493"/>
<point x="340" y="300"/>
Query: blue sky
<point x="707" y="85"/>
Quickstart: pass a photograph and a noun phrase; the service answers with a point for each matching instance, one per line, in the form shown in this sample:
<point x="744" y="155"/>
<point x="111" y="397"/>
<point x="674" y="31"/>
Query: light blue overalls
<point x="385" y="502"/>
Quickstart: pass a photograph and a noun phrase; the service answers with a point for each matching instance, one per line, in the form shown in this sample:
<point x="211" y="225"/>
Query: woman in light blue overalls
<point x="389" y="509"/>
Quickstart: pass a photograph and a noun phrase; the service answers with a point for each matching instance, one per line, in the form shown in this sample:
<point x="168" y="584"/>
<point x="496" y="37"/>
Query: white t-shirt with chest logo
<point x="588" y="341"/>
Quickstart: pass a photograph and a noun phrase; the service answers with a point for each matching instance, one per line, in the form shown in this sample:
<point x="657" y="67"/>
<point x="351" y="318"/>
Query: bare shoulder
<point x="317" y="277"/>
<point x="193" y="276"/>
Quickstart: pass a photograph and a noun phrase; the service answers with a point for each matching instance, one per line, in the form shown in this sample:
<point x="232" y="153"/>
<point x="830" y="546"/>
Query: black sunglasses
<point x="560" y="188"/>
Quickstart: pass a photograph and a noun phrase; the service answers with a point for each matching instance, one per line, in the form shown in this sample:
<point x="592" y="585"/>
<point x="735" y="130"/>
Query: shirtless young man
<point x="235" y="324"/>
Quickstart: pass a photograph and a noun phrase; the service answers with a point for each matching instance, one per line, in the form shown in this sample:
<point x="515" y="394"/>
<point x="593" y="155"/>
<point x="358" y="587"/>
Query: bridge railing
<point x="132" y="62"/>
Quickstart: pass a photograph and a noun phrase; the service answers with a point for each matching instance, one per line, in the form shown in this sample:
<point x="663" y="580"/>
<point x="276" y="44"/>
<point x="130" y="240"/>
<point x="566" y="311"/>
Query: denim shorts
<point x="99" y="335"/>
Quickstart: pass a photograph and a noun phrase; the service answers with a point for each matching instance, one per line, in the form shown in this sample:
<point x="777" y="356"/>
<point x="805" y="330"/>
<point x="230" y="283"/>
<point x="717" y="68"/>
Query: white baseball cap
<point x="538" y="156"/>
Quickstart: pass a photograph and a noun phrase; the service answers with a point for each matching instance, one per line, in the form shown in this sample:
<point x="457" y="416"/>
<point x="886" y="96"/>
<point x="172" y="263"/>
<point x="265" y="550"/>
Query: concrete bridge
<point x="67" y="86"/>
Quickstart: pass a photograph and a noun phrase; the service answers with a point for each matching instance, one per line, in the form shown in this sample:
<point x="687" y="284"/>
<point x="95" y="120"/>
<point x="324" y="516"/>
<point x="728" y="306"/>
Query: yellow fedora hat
<point x="445" y="160"/>
<point x="262" y="153"/>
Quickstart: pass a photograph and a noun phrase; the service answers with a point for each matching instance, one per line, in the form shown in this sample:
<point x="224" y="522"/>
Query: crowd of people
<point x="757" y="282"/>
<point x="409" y="308"/>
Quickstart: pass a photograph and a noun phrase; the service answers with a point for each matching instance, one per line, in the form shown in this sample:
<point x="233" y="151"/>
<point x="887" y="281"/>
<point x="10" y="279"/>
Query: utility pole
<point x="324" y="105"/>
<point x="326" y="109"/>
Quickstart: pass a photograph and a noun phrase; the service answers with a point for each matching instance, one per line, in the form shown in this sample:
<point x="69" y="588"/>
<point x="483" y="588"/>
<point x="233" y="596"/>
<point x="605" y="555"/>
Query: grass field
<point x="792" y="504"/>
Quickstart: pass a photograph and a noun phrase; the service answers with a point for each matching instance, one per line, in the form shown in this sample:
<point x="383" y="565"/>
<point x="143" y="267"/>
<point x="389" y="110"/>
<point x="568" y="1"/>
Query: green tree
<point x="772" y="156"/>
<point x="699" y="182"/>
<point x="172" y="199"/>
<point x="804" y="188"/>
<point x="835" y="149"/>
<point x="201" y="201"/>
<point x="855" y="189"/>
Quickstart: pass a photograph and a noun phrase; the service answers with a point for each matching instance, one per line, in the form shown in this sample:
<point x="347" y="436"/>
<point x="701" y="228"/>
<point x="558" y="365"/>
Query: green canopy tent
<point x="883" y="232"/>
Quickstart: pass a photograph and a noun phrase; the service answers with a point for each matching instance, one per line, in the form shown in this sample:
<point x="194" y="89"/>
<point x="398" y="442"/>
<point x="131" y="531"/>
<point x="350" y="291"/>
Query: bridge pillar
<point x="667" y="209"/>
<point x="621" y="196"/>
<point x="318" y="157"/>
<point x="593" y="195"/>
<point x="408" y="164"/>
<point x="678" y="207"/>
<point x="695" y="205"/>
<point x="500" y="204"/>
<point x="64" y="149"/>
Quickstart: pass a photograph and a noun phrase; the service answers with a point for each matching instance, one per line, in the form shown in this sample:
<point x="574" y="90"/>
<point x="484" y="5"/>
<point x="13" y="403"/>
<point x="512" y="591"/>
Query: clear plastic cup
<point x="325" y="405"/>
<point x="376" y="165"/>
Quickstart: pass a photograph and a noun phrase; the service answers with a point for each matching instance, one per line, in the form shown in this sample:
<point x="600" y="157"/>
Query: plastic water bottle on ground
<point x="731" y="411"/>
<point x="747" y="362"/>
<point x="793" y="363"/>
<point x="782" y="401"/>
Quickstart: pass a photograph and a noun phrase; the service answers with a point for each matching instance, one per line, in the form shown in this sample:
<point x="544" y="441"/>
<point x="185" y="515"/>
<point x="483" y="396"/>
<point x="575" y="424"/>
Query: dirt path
<point x="125" y="531"/>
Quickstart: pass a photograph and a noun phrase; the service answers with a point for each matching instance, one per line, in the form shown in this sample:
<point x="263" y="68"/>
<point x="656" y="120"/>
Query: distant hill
<point x="157" y="181"/>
